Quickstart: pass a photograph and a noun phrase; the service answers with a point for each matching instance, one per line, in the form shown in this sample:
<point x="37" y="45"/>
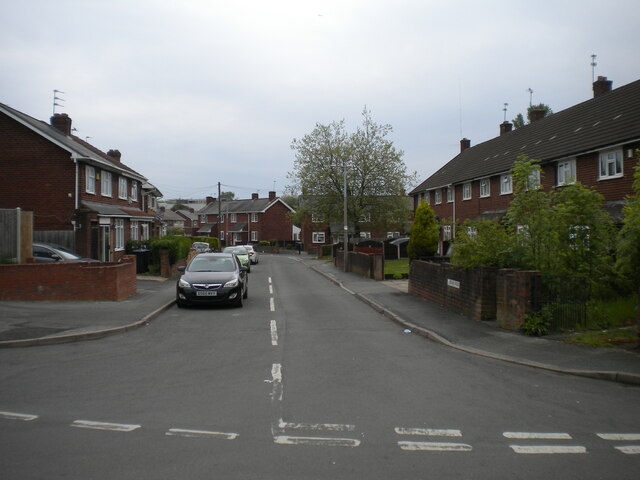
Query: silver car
<point x="253" y="255"/>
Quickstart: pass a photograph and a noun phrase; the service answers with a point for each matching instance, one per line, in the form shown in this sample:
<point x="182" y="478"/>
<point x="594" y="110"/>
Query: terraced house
<point x="80" y="197"/>
<point x="243" y="221"/>
<point x="593" y="143"/>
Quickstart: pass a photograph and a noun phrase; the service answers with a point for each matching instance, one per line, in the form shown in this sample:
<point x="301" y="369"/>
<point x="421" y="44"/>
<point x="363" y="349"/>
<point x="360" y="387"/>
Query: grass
<point x="622" y="337"/>
<point x="397" y="268"/>
<point x="605" y="314"/>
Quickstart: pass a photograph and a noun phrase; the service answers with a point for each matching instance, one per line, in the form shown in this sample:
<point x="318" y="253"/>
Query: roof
<point x="257" y="205"/>
<point x="107" y="210"/>
<point x="78" y="148"/>
<point x="608" y="120"/>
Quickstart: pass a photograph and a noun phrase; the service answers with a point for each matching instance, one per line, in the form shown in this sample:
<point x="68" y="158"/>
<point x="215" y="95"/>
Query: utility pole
<point x="346" y="223"/>
<point x="219" y="213"/>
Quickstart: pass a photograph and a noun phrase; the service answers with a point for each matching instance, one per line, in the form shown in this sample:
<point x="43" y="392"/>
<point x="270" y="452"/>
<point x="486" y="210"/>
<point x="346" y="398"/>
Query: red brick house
<point x="80" y="197"/>
<point x="593" y="143"/>
<point x="239" y="222"/>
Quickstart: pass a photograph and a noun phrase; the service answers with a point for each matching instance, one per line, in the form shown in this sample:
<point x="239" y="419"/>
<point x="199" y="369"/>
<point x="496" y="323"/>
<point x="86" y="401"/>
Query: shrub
<point x="423" y="241"/>
<point x="537" y="323"/>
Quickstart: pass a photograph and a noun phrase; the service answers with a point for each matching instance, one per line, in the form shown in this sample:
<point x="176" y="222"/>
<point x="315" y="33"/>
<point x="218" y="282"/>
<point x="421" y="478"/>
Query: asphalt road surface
<point x="303" y="382"/>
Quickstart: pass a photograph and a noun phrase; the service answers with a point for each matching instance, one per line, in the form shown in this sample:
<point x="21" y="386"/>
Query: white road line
<point x="624" y="437"/>
<point x="429" y="432"/>
<point x="274" y="333"/>
<point x="630" y="449"/>
<point x="272" y="305"/>
<point x="180" y="432"/>
<point x="333" y="427"/>
<point x="435" y="446"/>
<point x="17" y="416"/>
<point x="322" y="441"/>
<point x="537" y="435"/>
<point x="270" y="289"/>
<point x="269" y="280"/>
<point x="276" y="373"/>
<point x="547" y="449"/>
<point x="116" y="427"/>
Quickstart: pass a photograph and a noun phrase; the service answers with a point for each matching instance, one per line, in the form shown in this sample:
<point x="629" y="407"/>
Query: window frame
<point x="134" y="230"/>
<point x="90" y="179"/>
<point x="106" y="184"/>
<point x="254" y="235"/>
<point x="119" y="233"/>
<point x="466" y="191"/>
<point x="318" y="237"/>
<point x="561" y="167"/>
<point x="485" y="187"/>
<point x="506" y="184"/>
<point x="438" y="196"/>
<point x="605" y="162"/>
<point x="254" y="217"/>
<point x="134" y="190"/>
<point x="451" y="194"/>
<point x="123" y="188"/>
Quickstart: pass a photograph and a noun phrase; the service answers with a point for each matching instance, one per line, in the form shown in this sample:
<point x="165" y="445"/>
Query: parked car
<point x="253" y="255"/>
<point x="242" y="254"/>
<point x="51" y="252"/>
<point x="201" y="247"/>
<point x="212" y="278"/>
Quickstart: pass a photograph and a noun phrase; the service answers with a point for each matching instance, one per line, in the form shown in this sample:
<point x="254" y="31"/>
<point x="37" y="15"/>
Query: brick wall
<point x="67" y="281"/>
<point x="471" y="292"/>
<point x="515" y="290"/>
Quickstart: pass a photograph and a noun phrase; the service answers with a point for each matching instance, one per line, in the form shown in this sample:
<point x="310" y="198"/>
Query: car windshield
<point x="237" y="250"/>
<point x="65" y="252"/>
<point x="212" y="264"/>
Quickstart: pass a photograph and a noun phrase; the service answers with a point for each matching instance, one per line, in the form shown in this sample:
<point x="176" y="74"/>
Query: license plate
<point x="206" y="293"/>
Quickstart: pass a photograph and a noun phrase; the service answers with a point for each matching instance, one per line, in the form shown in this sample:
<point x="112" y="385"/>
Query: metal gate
<point x="565" y="298"/>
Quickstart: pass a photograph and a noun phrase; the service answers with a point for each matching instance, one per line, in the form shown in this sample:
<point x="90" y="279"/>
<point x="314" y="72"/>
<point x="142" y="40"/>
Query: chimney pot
<point x="464" y="144"/>
<point x="601" y="86"/>
<point x="115" y="154"/>
<point x="505" y="127"/>
<point x="254" y="196"/>
<point x="62" y="122"/>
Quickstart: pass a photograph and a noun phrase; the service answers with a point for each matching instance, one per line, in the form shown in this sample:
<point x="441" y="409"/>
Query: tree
<point x="423" y="241"/>
<point x="628" y="242"/>
<point x="519" y="120"/>
<point x="376" y="176"/>
<point x="227" y="196"/>
<point x="179" y="206"/>
<point x="483" y="243"/>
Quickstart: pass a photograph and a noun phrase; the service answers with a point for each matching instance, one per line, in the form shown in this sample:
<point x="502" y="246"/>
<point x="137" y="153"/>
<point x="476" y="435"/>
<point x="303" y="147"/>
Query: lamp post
<point x="346" y="224"/>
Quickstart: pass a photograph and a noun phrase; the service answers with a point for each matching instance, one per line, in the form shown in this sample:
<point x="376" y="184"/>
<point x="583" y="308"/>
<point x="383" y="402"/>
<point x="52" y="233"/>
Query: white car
<point x="253" y="255"/>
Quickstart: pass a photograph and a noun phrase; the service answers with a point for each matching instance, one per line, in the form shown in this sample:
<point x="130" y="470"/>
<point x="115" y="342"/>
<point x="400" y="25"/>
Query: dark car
<point x="50" y="253"/>
<point x="212" y="278"/>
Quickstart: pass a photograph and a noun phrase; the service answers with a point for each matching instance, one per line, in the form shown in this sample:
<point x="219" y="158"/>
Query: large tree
<point x="376" y="176"/>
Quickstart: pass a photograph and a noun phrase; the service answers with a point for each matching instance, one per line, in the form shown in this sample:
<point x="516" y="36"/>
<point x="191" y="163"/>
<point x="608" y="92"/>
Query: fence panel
<point x="8" y="234"/>
<point x="565" y="297"/>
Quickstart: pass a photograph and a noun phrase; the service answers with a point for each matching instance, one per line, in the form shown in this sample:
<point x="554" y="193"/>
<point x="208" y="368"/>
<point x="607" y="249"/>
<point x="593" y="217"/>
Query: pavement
<point x="25" y="324"/>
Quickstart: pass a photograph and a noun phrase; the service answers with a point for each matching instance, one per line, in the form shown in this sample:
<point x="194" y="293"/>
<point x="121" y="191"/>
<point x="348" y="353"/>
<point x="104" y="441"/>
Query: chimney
<point x="536" y="114"/>
<point x="210" y="200"/>
<point x="601" y="86"/>
<point x="464" y="144"/>
<point x="62" y="122"/>
<point x="254" y="196"/>
<point x="115" y="154"/>
<point x="505" y="127"/>
<point x="272" y="195"/>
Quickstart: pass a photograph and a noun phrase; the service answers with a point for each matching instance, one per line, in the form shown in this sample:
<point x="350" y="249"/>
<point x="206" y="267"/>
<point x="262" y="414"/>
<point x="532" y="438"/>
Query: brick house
<point x="593" y="143"/>
<point x="239" y="222"/>
<point x="80" y="197"/>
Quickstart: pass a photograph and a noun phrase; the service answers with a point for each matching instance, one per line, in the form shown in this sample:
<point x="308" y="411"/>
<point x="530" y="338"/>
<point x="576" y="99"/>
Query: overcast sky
<point x="196" y="92"/>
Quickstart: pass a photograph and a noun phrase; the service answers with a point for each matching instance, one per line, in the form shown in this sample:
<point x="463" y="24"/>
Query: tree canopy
<point x="519" y="120"/>
<point x="376" y="177"/>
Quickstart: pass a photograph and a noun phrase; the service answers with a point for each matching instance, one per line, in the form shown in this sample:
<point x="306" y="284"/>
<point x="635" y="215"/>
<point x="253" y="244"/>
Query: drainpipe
<point x="77" y="192"/>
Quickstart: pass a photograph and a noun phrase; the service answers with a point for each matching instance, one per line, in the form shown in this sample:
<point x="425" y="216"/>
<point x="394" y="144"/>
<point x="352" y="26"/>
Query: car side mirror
<point x="244" y="269"/>
<point x="181" y="269"/>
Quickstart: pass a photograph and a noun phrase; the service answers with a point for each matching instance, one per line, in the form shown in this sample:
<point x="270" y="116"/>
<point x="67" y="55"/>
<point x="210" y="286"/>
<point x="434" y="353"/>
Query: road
<point x="303" y="382"/>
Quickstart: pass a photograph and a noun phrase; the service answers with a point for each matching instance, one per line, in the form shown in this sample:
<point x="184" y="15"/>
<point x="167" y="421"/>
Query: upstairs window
<point x="506" y="185"/>
<point x="438" y="195"/>
<point x="450" y="194"/>
<point x="485" y="188"/>
<point x="610" y="164"/>
<point x="122" y="188"/>
<point x="134" y="190"/>
<point x="254" y="217"/>
<point x="90" y="180"/>
<point x="566" y="172"/>
<point x="427" y="198"/>
<point x="466" y="191"/>
<point x="106" y="184"/>
<point x="318" y="237"/>
<point x="233" y="218"/>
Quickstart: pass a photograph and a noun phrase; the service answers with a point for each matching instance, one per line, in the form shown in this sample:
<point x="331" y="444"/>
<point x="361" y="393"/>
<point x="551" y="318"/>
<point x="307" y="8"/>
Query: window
<point x="427" y="198"/>
<point x="473" y="233"/>
<point x="316" y="218"/>
<point x="505" y="184"/>
<point x="533" y="183"/>
<point x="119" y="234"/>
<point x="134" y="190"/>
<point x="145" y="232"/>
<point x="365" y="234"/>
<point x="233" y="218"/>
<point x="610" y="164"/>
<point x="254" y="217"/>
<point x="203" y="219"/>
<point x="438" y="195"/>
<point x="393" y="234"/>
<point x="318" y="237"/>
<point x="254" y="236"/>
<point x="566" y="172"/>
<point x="365" y="218"/>
<point x="134" y="230"/>
<point x="122" y="188"/>
<point x="221" y="234"/>
<point x="466" y="191"/>
<point x="90" y="179"/>
<point x="446" y="232"/>
<point x="579" y="236"/>
<point x="485" y="188"/>
<point x="450" y="194"/>
<point x="106" y="183"/>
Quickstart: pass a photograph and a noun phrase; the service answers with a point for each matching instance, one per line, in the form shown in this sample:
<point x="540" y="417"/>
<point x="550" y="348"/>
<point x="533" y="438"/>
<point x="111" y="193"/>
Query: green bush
<point x="537" y="323"/>
<point x="423" y="241"/>
<point x="265" y="243"/>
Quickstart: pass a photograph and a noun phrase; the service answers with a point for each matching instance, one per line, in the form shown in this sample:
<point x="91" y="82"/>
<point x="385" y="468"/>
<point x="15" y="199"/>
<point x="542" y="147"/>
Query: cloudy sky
<point x="196" y="92"/>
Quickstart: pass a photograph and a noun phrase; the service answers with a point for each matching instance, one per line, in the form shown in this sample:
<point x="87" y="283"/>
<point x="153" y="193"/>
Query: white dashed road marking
<point x="17" y="416"/>
<point x="432" y="446"/>
<point x="623" y="437"/>
<point x="324" y="441"/>
<point x="547" y="449"/>
<point x="115" y="427"/>
<point x="180" y="432"/>
<point x="537" y="435"/>
<point x="274" y="333"/>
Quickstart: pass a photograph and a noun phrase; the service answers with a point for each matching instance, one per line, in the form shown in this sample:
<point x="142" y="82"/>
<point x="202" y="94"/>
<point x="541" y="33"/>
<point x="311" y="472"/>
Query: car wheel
<point x="239" y="301"/>
<point x="246" y="292"/>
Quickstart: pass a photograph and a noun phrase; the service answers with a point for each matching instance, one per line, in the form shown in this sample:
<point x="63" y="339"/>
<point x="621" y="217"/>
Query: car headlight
<point x="183" y="283"/>
<point x="232" y="283"/>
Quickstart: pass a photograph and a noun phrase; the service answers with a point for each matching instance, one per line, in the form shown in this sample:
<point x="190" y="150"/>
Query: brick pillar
<point x="165" y="266"/>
